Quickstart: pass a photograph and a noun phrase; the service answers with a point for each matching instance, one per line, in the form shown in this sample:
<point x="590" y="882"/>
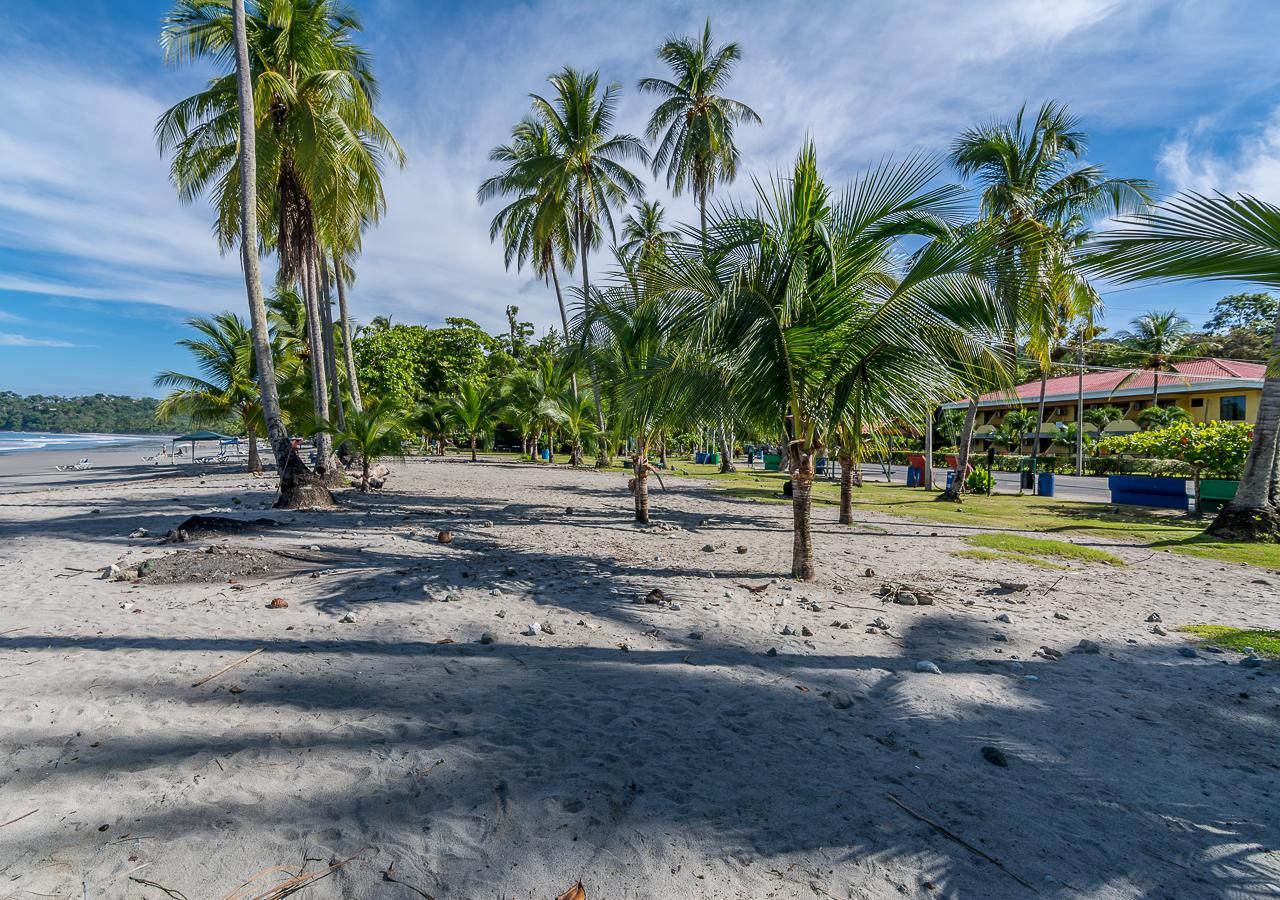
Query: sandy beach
<point x="749" y="737"/>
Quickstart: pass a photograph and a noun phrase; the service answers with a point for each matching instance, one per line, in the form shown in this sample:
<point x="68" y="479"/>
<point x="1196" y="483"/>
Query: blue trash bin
<point x="913" y="476"/>
<point x="951" y="478"/>
<point x="1044" y="484"/>
<point x="700" y="458"/>
<point x="546" y="453"/>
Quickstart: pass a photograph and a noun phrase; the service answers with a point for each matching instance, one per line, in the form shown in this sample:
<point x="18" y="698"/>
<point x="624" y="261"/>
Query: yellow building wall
<point x="1208" y="411"/>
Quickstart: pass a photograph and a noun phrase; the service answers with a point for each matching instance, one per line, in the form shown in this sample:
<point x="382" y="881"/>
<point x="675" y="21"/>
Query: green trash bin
<point x="772" y="462"/>
<point x="713" y="459"/>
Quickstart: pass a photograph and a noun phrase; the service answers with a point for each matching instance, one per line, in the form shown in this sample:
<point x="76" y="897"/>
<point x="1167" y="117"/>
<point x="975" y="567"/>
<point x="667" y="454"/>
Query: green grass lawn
<point x="990" y="555"/>
<point x="1265" y="642"/>
<point x="1021" y="545"/>
<point x="1159" y="530"/>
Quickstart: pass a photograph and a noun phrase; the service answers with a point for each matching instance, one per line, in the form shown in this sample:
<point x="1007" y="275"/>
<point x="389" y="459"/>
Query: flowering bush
<point x="1215" y="448"/>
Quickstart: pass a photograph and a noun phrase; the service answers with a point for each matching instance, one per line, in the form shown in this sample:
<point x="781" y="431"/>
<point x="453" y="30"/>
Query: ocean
<point x="25" y="441"/>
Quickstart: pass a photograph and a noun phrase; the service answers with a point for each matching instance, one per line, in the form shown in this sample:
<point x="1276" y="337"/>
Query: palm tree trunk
<point x="255" y="461"/>
<point x="962" y="452"/>
<point x="319" y="383"/>
<point x="353" y="381"/>
<point x="473" y="446"/>
<point x="846" y="489"/>
<point x="801" y="515"/>
<point x="330" y="354"/>
<point x="602" y="458"/>
<point x="641" y="490"/>
<point x="927" y="474"/>
<point x="1080" y="405"/>
<point x="364" y="472"/>
<point x="1035" y="440"/>
<point x="726" y="449"/>
<point x="1254" y="514"/>
<point x="1155" y="393"/>
<point x="564" y="320"/>
<point x="298" y="487"/>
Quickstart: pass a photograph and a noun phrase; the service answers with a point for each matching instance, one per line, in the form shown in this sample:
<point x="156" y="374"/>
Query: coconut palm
<point x="694" y="125"/>
<point x="1040" y="196"/>
<point x="1153" y="341"/>
<point x="373" y="433"/>
<point x="644" y="235"/>
<point x="534" y="225"/>
<point x="431" y="420"/>
<point x="472" y="410"/>
<point x="1019" y="422"/>
<point x="297" y="486"/>
<point x="225" y="388"/>
<point x="576" y="420"/>
<point x="800" y="301"/>
<point x="321" y="147"/>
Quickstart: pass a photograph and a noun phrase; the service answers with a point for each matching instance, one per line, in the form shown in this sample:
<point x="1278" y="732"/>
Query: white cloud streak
<point x="8" y="339"/>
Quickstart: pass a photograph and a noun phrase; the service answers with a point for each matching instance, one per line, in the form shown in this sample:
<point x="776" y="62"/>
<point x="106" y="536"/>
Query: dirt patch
<point x="220" y="563"/>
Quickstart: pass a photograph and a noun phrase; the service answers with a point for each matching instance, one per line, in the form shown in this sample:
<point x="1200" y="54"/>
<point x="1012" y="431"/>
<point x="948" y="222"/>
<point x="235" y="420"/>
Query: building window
<point x="1232" y="409"/>
<point x="1197" y="402"/>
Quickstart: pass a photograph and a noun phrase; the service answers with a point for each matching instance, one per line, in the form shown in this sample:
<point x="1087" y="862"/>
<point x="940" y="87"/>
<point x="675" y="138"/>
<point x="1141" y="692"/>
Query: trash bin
<point x="546" y="454"/>
<point x="700" y="457"/>
<point x="951" y="478"/>
<point x="1028" y="479"/>
<point x="1044" y="484"/>
<point x="913" y="476"/>
<point x="713" y="459"/>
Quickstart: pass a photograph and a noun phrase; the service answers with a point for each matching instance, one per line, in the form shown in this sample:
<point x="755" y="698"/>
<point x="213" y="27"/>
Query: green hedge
<point x="1065" y="465"/>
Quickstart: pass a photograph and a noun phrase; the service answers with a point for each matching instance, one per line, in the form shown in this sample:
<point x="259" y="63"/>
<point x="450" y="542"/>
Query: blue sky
<point x="100" y="263"/>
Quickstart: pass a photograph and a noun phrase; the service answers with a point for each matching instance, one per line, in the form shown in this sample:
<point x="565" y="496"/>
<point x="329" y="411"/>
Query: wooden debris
<point x="172" y="892"/>
<point x="228" y="667"/>
<point x="290" y="885"/>
<point x="755" y="588"/>
<point x="947" y="833"/>
<point x="21" y="817"/>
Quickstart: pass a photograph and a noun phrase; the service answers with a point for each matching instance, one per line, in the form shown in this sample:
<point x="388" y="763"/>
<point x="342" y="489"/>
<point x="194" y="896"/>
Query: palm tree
<point x="586" y="166"/>
<point x="1153" y="341"/>
<point x="226" y="388"/>
<point x="1040" y="197"/>
<point x="1156" y="417"/>
<point x="322" y="148"/>
<point x="534" y="226"/>
<point x="1223" y="238"/>
<point x="1102" y="416"/>
<point x="800" y="302"/>
<point x="1019" y="421"/>
<point x="378" y="431"/>
<point x="576" y="418"/>
<point x="644" y="236"/>
<point x="472" y="411"/>
<point x="1070" y="435"/>
<point x="431" y="419"/>
<point x="696" y="124"/>
<point x="298" y="488"/>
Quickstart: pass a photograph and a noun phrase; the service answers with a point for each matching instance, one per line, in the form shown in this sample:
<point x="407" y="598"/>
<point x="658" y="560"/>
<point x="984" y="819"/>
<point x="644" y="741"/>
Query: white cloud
<point x="8" y="339"/>
<point x="86" y="204"/>
<point x="1252" y="166"/>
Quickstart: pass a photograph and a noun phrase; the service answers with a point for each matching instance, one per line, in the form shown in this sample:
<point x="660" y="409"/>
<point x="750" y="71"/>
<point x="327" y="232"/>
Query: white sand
<point x="682" y="767"/>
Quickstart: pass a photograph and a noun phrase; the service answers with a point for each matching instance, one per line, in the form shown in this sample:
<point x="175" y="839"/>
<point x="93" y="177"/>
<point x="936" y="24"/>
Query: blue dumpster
<point x="700" y="457"/>
<point x="1044" y="484"/>
<point x="913" y="476"/>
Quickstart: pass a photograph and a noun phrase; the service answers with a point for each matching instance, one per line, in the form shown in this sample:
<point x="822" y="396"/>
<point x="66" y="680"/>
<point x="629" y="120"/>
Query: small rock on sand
<point x="348" y="619"/>
<point x="1154" y="617"/>
<point x="1087" y="647"/>
<point x="533" y="630"/>
<point x="1004" y="617"/>
<point x="278" y="603"/>
<point x="927" y="666"/>
<point x="1189" y="652"/>
<point x="1062" y="616"/>
<point x="906" y="598"/>
<point x="995" y="756"/>
<point x="839" y="699"/>
<point x="1156" y="629"/>
<point x="486" y="638"/>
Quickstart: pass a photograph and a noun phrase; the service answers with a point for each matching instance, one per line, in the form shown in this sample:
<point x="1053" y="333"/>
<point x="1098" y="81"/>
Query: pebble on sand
<point x="927" y="666"/>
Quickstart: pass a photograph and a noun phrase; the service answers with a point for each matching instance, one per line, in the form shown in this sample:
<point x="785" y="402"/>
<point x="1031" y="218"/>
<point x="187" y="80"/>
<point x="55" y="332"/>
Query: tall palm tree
<point x="321" y="145"/>
<point x="1102" y="416"/>
<point x="534" y="225"/>
<point x="225" y="388"/>
<point x="800" y="297"/>
<point x="1153" y="340"/>
<point x="644" y="234"/>
<point x="1221" y="238"/>
<point x="1040" y="196"/>
<point x="298" y="488"/>
<point x="587" y="167"/>
<point x="694" y="122"/>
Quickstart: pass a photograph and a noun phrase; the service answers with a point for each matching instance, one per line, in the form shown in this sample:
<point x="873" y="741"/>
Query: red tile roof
<point x="1190" y="373"/>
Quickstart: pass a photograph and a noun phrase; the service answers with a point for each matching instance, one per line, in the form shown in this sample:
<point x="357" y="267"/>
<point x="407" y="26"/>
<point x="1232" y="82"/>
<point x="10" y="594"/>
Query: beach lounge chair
<point x="78" y="467"/>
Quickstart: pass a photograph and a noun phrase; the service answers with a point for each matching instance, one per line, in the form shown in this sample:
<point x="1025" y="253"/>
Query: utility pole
<point x="1080" y="404"/>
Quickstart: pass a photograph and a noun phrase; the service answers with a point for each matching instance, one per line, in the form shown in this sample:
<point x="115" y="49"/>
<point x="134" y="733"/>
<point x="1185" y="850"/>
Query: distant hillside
<point x="100" y="413"/>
